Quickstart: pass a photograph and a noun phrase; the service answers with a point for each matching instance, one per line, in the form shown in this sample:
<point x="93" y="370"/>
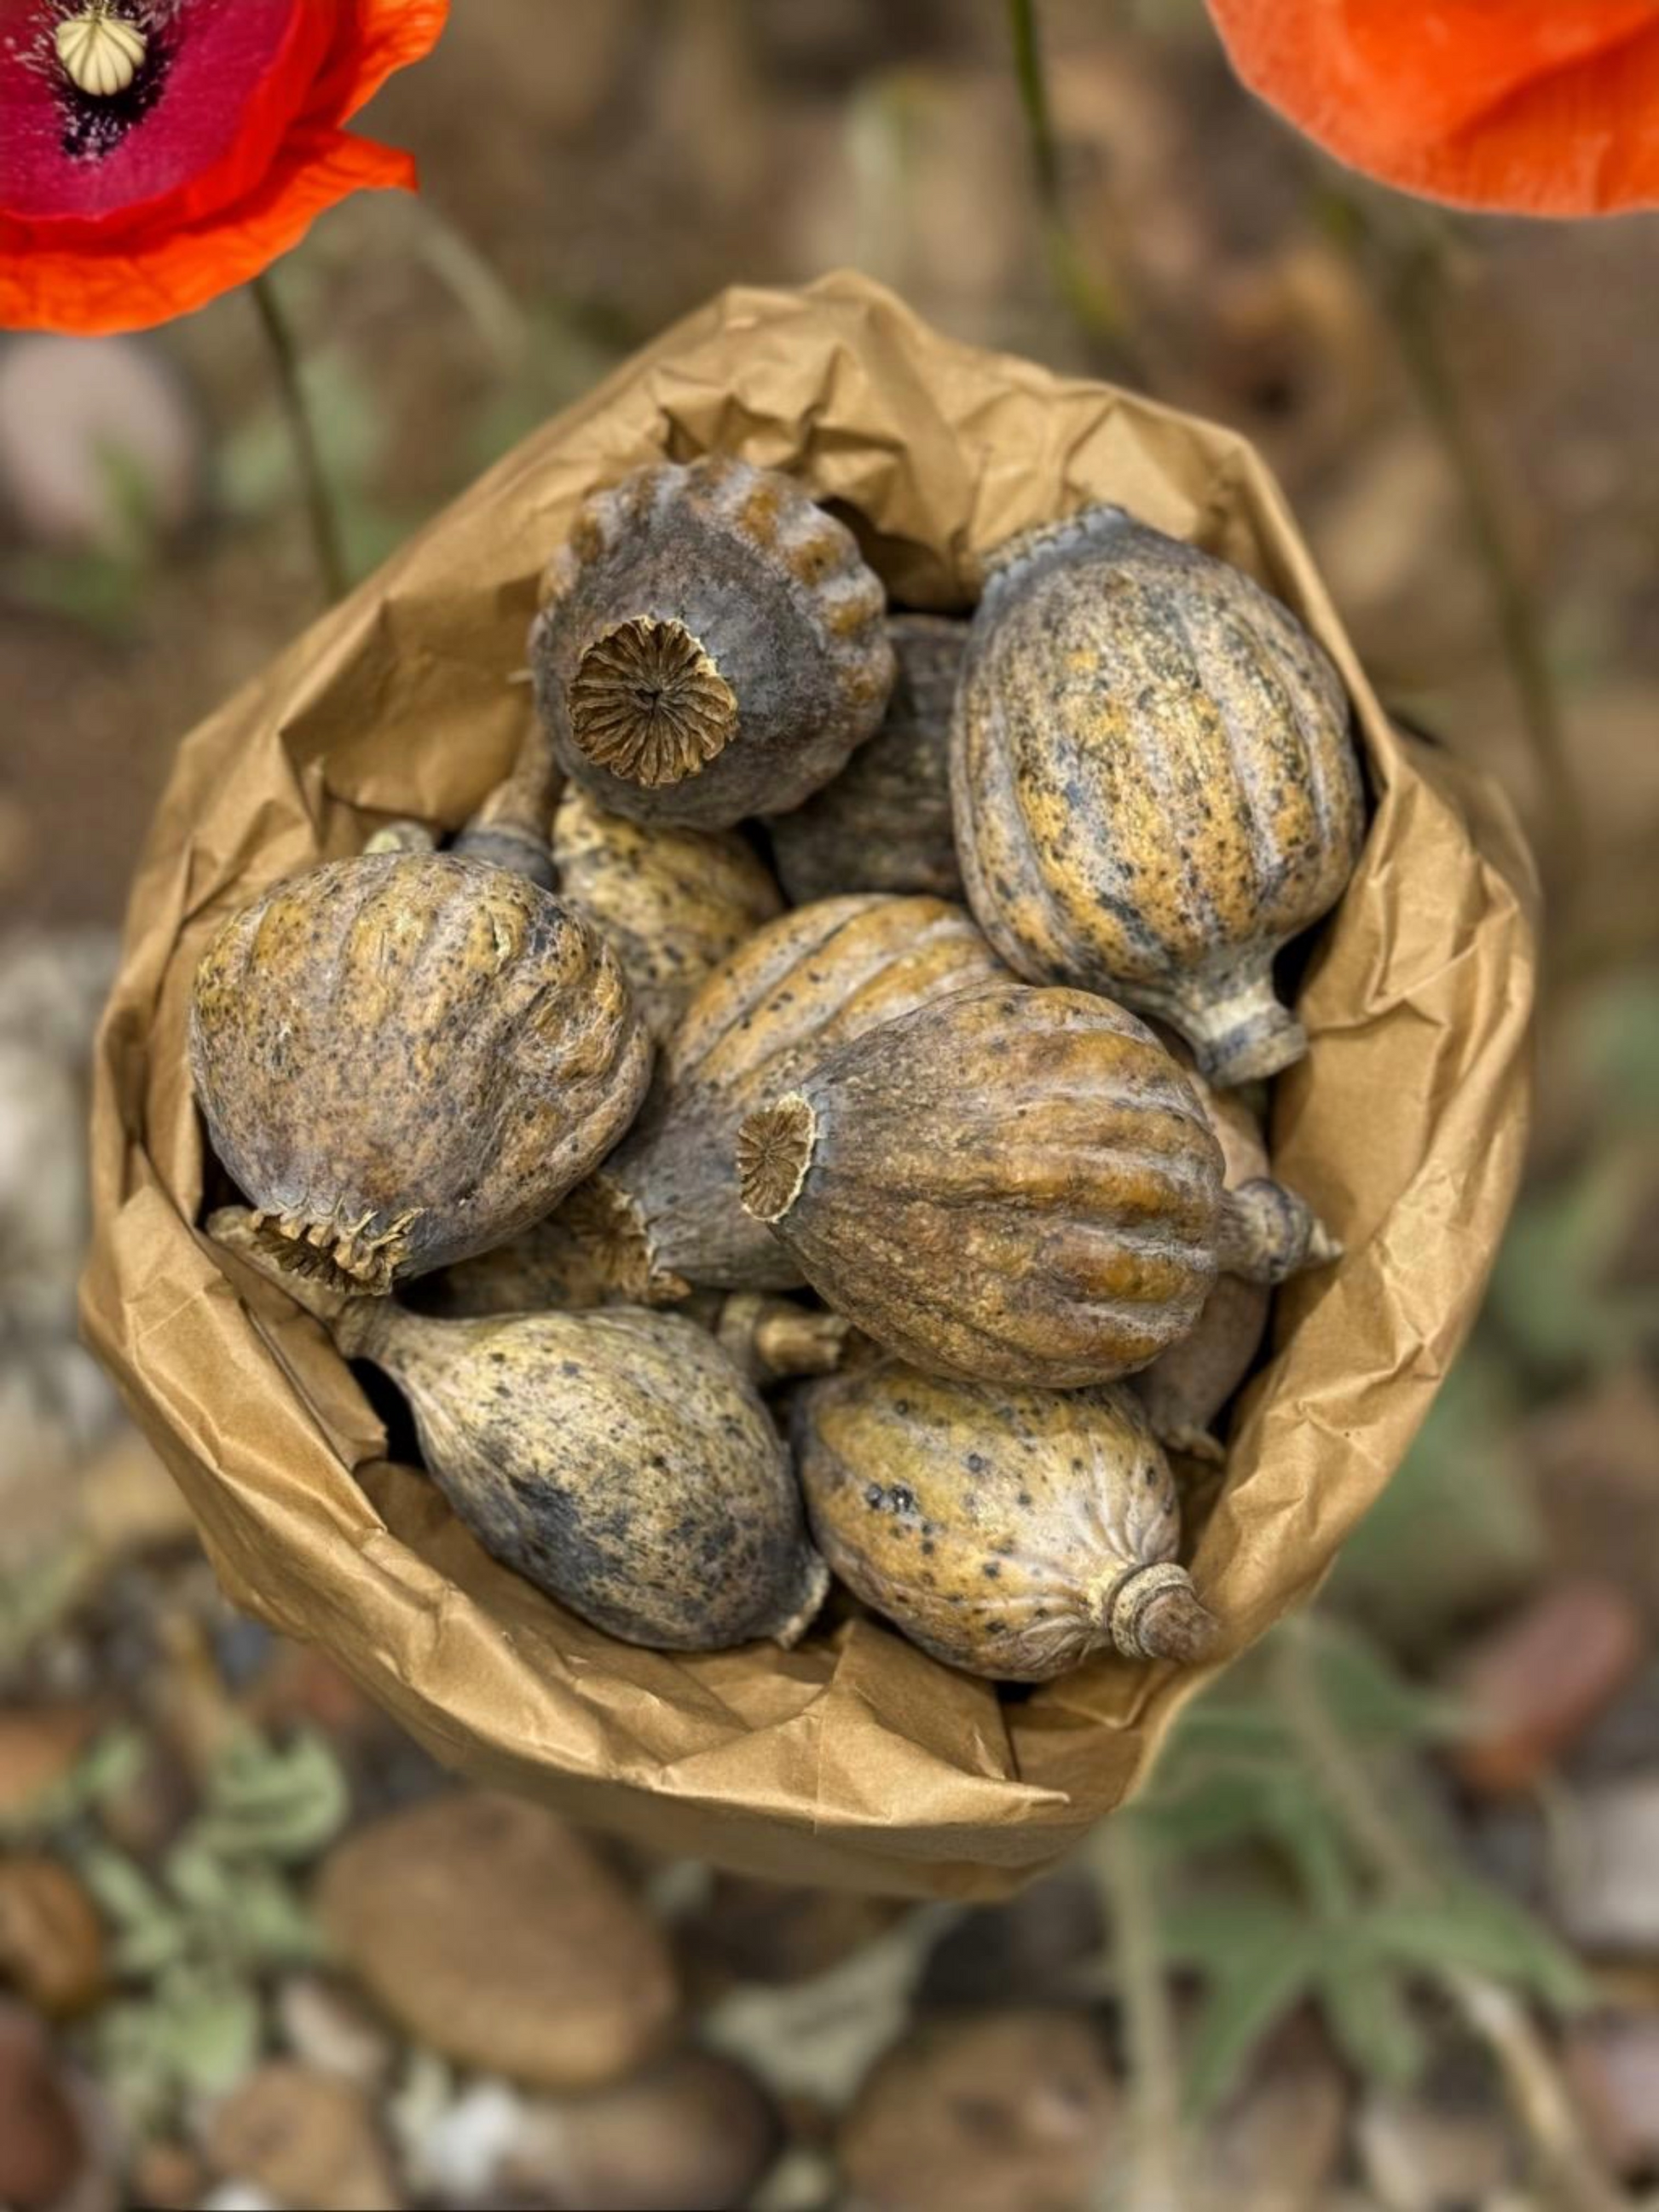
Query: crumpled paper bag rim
<point x="853" y="1759"/>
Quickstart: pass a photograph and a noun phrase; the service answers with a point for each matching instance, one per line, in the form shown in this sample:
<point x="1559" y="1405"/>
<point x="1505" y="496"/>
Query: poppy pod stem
<point x="322" y="511"/>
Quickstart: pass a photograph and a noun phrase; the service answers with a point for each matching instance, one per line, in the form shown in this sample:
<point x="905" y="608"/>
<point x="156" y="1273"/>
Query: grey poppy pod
<point x="710" y="645"/>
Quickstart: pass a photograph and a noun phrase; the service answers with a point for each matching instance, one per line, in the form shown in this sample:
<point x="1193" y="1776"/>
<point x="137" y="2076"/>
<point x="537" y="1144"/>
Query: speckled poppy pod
<point x="1009" y="1532"/>
<point x="884" y="823"/>
<point x="1154" y="781"/>
<point x="710" y="645"/>
<point x="1014" y="1185"/>
<point x="404" y="1058"/>
<point x="616" y="1460"/>
<point x="665" y="1210"/>
<point x="673" y="903"/>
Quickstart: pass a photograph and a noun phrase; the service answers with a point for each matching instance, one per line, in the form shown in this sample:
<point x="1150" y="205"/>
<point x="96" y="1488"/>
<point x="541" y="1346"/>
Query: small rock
<point x="1607" y="1898"/>
<point x="1280" y="2140"/>
<point x="1612" y="2066"/>
<point x="38" y="1748"/>
<point x="167" y="2177"/>
<point x="770" y="1932"/>
<point x="1535" y="1683"/>
<point x="459" y="2151"/>
<point x="981" y="2114"/>
<point x="51" y="1940"/>
<point x="41" y="2149"/>
<point x="97" y="439"/>
<point x="328" y="2029"/>
<point x="1030" y="1951"/>
<point x="488" y="1929"/>
<point x="1448" y="2145"/>
<point x="692" y="2131"/>
<point x="309" y="2140"/>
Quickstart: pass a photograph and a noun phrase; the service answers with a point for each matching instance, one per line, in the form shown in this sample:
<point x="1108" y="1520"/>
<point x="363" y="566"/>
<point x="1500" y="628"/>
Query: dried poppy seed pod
<point x="1186" y="1387"/>
<point x="403" y="1059"/>
<point x="616" y="1460"/>
<point x="884" y="823"/>
<point x="1009" y="1532"/>
<point x="1155" y="783"/>
<point x="1009" y="1185"/>
<point x="665" y="1210"/>
<point x="710" y="645"/>
<point x="541" y="1270"/>
<point x="671" y="903"/>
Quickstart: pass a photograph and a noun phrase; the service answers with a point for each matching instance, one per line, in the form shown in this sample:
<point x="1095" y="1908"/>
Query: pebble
<point x="1606" y="1895"/>
<point x="490" y="1930"/>
<point x="41" y="2147"/>
<point x="52" y="1939"/>
<point x="90" y="429"/>
<point x="38" y="1748"/>
<point x="327" y="2028"/>
<point x="981" y="2113"/>
<point x="309" y="2140"/>
<point x="1537" y="1682"/>
<point x="1427" y="2150"/>
<point x="1612" y="2065"/>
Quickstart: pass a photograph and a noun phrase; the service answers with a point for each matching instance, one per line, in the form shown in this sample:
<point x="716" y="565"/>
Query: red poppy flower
<point x="1538" y="107"/>
<point x="122" y="209"/>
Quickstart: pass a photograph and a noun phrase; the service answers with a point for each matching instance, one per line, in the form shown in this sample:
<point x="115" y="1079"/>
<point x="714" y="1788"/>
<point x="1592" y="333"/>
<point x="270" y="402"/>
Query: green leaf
<point x="1477" y="1928"/>
<point x="106" y="1767"/>
<point x="151" y="1932"/>
<point x="263" y="1800"/>
<point x="1267" y="1981"/>
<point x="1369" y="2015"/>
<point x="1369" y="1699"/>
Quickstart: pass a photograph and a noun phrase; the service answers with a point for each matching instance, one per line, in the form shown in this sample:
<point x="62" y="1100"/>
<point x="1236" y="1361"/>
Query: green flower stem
<point x="321" y="512"/>
<point x="1154" y="2180"/>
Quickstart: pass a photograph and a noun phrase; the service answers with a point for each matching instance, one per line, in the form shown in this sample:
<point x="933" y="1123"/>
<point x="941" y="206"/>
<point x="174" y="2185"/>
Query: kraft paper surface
<point x="853" y="1759"/>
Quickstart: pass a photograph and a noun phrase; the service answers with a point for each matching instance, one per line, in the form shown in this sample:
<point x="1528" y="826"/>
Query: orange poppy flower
<point x="1536" y="107"/>
<point x="122" y="209"/>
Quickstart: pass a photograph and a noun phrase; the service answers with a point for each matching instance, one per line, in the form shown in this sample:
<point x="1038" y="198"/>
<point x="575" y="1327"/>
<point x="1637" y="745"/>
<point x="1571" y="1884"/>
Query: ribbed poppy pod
<point x="616" y="1460"/>
<point x="1011" y="1185"/>
<point x="1009" y="1532"/>
<point x="403" y="1059"/>
<point x="665" y="1211"/>
<point x="671" y="903"/>
<point x="884" y="823"/>
<point x="1186" y="1387"/>
<point x="710" y="645"/>
<point x="1154" y="780"/>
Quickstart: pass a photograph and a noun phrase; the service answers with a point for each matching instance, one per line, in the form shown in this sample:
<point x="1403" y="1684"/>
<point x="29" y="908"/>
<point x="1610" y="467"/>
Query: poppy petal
<point x="223" y="82"/>
<point x="377" y="37"/>
<point x="1521" y="105"/>
<point x="148" y="279"/>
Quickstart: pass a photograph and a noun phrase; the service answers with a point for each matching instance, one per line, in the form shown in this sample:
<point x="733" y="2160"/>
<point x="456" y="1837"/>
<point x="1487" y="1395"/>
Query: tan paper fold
<point x="853" y="1759"/>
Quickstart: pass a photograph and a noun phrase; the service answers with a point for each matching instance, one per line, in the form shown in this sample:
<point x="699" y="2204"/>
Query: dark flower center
<point x="93" y="126"/>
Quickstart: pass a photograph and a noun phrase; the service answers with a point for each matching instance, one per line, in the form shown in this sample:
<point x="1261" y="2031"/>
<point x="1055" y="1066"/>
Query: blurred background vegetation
<point x="1386" y="1930"/>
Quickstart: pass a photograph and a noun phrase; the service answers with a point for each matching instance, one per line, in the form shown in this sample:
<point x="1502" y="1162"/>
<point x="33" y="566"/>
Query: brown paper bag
<point x="853" y="1759"/>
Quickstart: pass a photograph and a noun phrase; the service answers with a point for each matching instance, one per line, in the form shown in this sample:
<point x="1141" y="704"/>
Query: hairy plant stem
<point x="1493" y="2014"/>
<point x="1154" y="2179"/>
<point x="322" y="515"/>
<point x="1093" y="307"/>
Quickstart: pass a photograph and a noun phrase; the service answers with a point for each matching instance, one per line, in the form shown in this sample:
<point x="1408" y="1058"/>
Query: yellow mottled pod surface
<point x="1008" y="1531"/>
<point x="1155" y="783"/>
<point x="671" y="903"/>
<point x="403" y="1059"/>
<point x="1010" y="1185"/>
<point x="666" y="1210"/>
<point x="884" y="823"/>
<point x="616" y="1460"/>
<point x="710" y="645"/>
<point x="1186" y="1387"/>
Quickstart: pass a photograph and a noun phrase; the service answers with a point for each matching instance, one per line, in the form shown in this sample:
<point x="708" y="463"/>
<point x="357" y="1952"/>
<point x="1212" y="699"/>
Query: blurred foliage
<point x="1271" y="1891"/>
